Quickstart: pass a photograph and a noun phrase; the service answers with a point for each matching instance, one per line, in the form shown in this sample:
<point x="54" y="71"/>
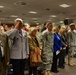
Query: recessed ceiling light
<point x="1" y="6"/>
<point x="32" y="12"/>
<point x="23" y="14"/>
<point x="53" y="16"/>
<point x="23" y="3"/>
<point x="20" y="3"/>
<point x="8" y="17"/>
<point x="63" y="13"/>
<point x="13" y="16"/>
<point x="64" y="5"/>
<point x="73" y="15"/>
<point x="48" y="9"/>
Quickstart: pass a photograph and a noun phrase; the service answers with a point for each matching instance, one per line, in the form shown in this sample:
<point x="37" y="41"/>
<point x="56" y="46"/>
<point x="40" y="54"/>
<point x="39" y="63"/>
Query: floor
<point x="67" y="71"/>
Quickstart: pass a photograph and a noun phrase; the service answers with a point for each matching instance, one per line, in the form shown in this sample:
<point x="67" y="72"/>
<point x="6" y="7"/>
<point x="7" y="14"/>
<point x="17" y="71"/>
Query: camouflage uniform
<point x="47" y="46"/>
<point x="72" y="42"/>
<point x="5" y="58"/>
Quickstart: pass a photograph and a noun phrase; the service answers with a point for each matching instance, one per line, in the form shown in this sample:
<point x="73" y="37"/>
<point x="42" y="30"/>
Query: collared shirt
<point x="19" y="48"/>
<point x="47" y="40"/>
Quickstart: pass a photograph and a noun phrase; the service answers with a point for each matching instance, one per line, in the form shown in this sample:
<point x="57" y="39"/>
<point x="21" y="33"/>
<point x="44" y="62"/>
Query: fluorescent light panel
<point x="13" y="16"/>
<point x="61" y="22"/>
<point x="32" y="12"/>
<point x="37" y="23"/>
<point x="64" y="5"/>
<point x="53" y="16"/>
<point x="1" y="6"/>
<point x="26" y="23"/>
<point x="67" y="18"/>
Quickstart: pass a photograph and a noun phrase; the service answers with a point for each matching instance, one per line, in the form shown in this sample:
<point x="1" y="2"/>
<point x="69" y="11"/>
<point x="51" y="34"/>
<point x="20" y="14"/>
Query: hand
<point x="66" y="45"/>
<point x="44" y="53"/>
<point x="60" y="48"/>
<point x="27" y="56"/>
<point x="8" y="63"/>
<point x="18" y="25"/>
<point x="35" y="49"/>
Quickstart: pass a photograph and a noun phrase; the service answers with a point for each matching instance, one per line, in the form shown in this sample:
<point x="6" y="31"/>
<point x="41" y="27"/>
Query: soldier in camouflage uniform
<point x="72" y="44"/>
<point x="47" y="45"/>
<point x="4" y="53"/>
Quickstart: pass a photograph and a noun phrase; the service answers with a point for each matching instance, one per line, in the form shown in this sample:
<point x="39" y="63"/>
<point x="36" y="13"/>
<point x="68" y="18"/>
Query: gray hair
<point x="18" y="19"/>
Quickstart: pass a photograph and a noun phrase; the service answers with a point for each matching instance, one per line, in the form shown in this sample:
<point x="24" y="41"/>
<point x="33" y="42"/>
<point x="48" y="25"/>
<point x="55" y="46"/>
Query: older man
<point x="26" y="27"/>
<point x="19" y="50"/>
<point x="72" y="44"/>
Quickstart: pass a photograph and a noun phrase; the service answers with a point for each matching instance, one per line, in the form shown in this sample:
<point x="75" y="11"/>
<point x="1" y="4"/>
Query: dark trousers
<point x="62" y="58"/>
<point x="54" y="64"/>
<point x="18" y="66"/>
<point x="27" y="64"/>
<point x="33" y="70"/>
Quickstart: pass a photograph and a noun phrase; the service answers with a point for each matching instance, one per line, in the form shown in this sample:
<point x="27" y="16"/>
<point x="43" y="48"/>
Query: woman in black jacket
<point x="64" y="45"/>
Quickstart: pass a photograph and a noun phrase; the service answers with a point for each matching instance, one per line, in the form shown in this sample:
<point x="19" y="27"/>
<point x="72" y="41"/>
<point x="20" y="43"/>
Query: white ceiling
<point x="44" y="9"/>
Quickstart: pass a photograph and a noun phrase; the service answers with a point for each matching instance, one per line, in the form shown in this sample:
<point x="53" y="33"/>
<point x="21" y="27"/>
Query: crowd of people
<point x="41" y="51"/>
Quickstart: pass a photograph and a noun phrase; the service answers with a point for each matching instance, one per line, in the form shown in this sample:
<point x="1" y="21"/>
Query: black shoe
<point x="55" y="71"/>
<point x="40" y="72"/>
<point x="62" y="67"/>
